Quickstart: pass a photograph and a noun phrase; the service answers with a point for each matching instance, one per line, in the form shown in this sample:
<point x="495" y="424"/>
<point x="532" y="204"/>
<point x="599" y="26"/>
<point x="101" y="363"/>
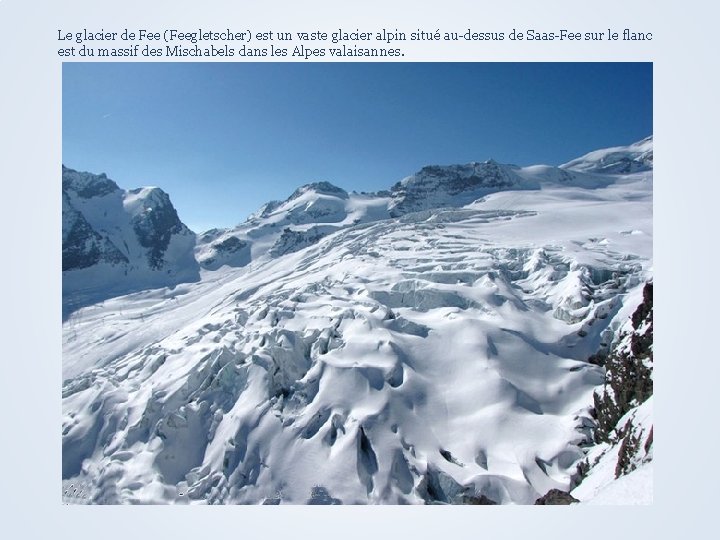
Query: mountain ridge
<point x="133" y="251"/>
<point x="116" y="241"/>
<point x="331" y="353"/>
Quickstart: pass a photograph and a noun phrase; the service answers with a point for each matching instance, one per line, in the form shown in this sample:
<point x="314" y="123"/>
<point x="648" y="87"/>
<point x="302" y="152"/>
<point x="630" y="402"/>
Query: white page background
<point x="686" y="193"/>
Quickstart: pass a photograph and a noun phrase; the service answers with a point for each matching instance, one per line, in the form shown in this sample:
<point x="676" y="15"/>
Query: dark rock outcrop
<point x="628" y="385"/>
<point x="116" y="242"/>
<point x="477" y="500"/>
<point x="435" y="186"/>
<point x="82" y="246"/>
<point x="556" y="496"/>
<point x="628" y="380"/>
<point x="156" y="224"/>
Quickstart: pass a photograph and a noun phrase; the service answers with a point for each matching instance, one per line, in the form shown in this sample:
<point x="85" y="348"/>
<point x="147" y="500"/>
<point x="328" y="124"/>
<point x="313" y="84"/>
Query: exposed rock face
<point x="82" y="247"/>
<point x="628" y="371"/>
<point x="225" y="250"/>
<point x="100" y="222"/>
<point x="156" y="224"/>
<point x="116" y="241"/>
<point x="87" y="185"/>
<point x="231" y="244"/>
<point x="475" y="500"/>
<point x="454" y="185"/>
<point x="556" y="496"/>
<point x="623" y="407"/>
<point x="291" y="241"/>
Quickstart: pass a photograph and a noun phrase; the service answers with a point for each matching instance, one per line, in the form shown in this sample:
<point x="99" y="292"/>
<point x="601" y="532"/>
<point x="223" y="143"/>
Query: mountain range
<point x="469" y="336"/>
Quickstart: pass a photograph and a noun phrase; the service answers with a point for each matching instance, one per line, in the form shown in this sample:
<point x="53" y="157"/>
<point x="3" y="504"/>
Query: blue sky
<point x="223" y="138"/>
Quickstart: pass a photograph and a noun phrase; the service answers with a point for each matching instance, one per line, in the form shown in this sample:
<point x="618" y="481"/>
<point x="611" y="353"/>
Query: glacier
<point x="425" y="344"/>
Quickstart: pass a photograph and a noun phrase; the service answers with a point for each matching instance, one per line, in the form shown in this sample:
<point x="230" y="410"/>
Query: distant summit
<point x="86" y="185"/>
<point x="139" y="233"/>
<point x="636" y="157"/>
<point x="478" y="334"/>
<point x="325" y="188"/>
<point x="115" y="240"/>
<point x="454" y="185"/>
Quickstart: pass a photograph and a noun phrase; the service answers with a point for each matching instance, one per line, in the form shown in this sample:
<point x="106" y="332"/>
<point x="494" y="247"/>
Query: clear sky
<point x="224" y="138"/>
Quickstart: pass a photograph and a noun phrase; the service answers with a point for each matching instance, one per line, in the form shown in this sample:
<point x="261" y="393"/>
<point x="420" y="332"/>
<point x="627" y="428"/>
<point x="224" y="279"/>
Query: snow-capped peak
<point x="118" y="241"/>
<point x="324" y="188"/>
<point x="628" y="159"/>
<point x="87" y="185"/>
<point x="454" y="185"/>
<point x="329" y="352"/>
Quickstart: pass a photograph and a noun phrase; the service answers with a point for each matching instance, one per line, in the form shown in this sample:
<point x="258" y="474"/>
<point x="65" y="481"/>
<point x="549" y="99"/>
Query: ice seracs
<point x="429" y="344"/>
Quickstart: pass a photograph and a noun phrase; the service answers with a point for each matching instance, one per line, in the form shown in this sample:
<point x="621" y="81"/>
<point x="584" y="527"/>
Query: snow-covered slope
<point x="310" y="213"/>
<point x="617" y="160"/>
<point x="427" y="344"/>
<point x="315" y="210"/>
<point x="456" y="185"/>
<point x="623" y="413"/>
<point x="117" y="241"/>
